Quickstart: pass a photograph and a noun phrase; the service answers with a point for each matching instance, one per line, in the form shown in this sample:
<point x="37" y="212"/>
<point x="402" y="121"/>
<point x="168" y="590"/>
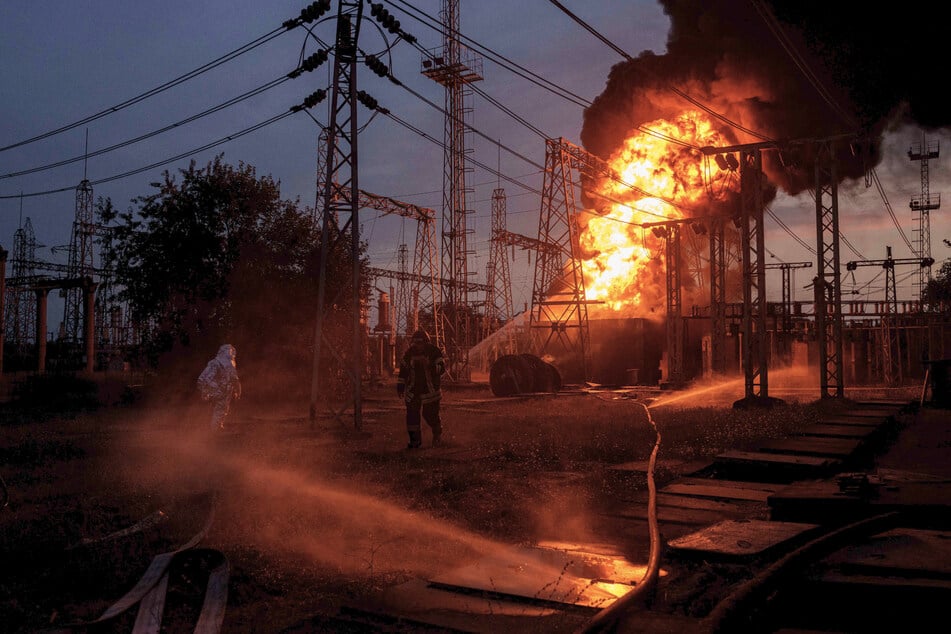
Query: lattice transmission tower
<point x="81" y="262"/>
<point x="339" y="319"/>
<point x="923" y="205"/>
<point x="20" y="310"/>
<point x="455" y="68"/>
<point x="498" y="296"/>
<point x="559" y="317"/>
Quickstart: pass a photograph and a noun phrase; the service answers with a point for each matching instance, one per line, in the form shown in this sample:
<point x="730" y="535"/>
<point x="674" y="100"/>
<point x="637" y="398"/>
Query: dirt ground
<point x="309" y="517"/>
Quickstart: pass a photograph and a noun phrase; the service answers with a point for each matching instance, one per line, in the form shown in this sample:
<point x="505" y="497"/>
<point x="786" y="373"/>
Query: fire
<point x="660" y="176"/>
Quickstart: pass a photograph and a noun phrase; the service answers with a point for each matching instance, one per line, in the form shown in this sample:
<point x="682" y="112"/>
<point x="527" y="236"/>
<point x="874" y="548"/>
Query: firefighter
<point x="420" y="373"/>
<point x="220" y="384"/>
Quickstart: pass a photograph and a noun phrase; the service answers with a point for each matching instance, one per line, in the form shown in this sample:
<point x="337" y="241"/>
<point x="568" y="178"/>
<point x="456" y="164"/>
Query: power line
<point x="154" y="91"/>
<point x="153" y="133"/>
<point x="177" y="157"/>
<point x="494" y="57"/>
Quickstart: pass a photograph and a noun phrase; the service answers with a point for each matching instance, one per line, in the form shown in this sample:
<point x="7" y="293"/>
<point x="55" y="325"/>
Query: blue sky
<point x="61" y="61"/>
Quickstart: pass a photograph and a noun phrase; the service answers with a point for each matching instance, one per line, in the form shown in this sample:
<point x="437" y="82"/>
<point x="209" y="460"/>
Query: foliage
<point x="217" y="256"/>
<point x="938" y="291"/>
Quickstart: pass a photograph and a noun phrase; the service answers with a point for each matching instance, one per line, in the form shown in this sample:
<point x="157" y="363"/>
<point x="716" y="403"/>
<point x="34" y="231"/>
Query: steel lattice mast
<point x="81" y="262"/>
<point x="498" y="297"/>
<point x="923" y="205"/>
<point x="454" y="67"/>
<point x="20" y="311"/>
<point x="828" y="281"/>
<point x="340" y="197"/>
<point x="559" y="307"/>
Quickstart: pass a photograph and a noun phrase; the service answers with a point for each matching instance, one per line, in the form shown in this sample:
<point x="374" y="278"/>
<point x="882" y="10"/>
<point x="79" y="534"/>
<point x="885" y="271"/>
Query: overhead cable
<point x="494" y="57"/>
<point x="153" y="133"/>
<point x="154" y="91"/>
<point x="888" y="207"/>
<point x="177" y="157"/>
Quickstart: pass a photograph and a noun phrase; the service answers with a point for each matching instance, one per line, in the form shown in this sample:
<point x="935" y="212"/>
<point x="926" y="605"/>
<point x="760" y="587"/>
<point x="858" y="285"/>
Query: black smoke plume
<point x="789" y="71"/>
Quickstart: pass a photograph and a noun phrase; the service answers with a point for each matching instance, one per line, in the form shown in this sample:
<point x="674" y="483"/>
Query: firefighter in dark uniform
<point x="421" y="370"/>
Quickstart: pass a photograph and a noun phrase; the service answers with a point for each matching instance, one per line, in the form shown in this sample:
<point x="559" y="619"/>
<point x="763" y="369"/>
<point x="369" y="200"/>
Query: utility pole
<point x="80" y="262"/>
<point x="787" y="269"/>
<point x="20" y="320"/>
<point x="923" y="205"/>
<point x="755" y="344"/>
<point x="559" y="306"/>
<point x="828" y="280"/>
<point x="455" y="67"/>
<point x="891" y="333"/>
<point x="498" y="297"/>
<point x="341" y="195"/>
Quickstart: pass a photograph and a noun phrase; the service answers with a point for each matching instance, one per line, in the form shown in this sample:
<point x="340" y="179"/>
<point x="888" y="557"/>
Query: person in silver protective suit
<point x="220" y="384"/>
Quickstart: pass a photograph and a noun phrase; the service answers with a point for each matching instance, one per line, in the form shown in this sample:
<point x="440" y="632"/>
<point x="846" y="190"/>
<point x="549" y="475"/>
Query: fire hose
<point x="643" y="590"/>
<point x="149" y="593"/>
<point x="728" y="614"/>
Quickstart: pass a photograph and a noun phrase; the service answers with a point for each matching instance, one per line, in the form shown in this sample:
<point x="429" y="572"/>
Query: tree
<point x="218" y="257"/>
<point x="938" y="290"/>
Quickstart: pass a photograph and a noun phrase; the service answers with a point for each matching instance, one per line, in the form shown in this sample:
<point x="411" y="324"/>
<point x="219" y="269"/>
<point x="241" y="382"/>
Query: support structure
<point x="559" y="316"/>
<point x="752" y="244"/>
<point x="828" y="282"/>
<point x="340" y="197"/>
<point x="81" y="261"/>
<point x="923" y="205"/>
<point x="891" y="343"/>
<point x="20" y="319"/>
<point x="717" y="295"/>
<point x="498" y="297"/>
<point x="755" y="338"/>
<point x="787" y="269"/>
<point x="455" y="67"/>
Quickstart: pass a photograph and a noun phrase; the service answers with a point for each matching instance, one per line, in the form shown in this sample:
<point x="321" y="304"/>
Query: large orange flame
<point x="659" y="176"/>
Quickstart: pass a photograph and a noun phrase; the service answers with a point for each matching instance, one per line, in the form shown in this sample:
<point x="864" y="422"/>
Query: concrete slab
<point x="720" y="489"/>
<point x="871" y="412"/>
<point x="813" y="446"/>
<point x="739" y="538"/>
<point x="923" y="504"/>
<point x="901" y="552"/>
<point x="855" y="421"/>
<point x="839" y="431"/>
<point x="776" y="466"/>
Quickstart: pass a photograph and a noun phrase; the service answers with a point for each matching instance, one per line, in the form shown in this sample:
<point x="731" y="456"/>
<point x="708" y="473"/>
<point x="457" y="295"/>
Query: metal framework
<point x="20" y="316"/>
<point x="786" y="269"/>
<point x="827" y="283"/>
<point x="454" y="67"/>
<point x="923" y="205"/>
<point x="752" y="244"/>
<point x="717" y="296"/>
<point x="559" y="306"/>
<point x="498" y="296"/>
<point x="891" y="344"/>
<point x="81" y="262"/>
<point x="341" y="196"/>
<point x="405" y="318"/>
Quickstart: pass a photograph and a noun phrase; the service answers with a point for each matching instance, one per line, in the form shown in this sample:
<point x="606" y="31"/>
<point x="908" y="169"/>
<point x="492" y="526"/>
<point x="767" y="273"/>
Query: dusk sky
<point x="63" y="61"/>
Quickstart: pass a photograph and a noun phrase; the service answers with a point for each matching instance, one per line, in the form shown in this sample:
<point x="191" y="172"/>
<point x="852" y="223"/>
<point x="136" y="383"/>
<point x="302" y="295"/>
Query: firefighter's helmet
<point x="420" y="336"/>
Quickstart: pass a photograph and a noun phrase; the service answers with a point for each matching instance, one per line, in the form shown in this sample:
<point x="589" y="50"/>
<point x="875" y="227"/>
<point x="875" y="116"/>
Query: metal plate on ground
<point x="546" y="576"/>
<point x="898" y="552"/>
<point x="739" y="538"/>
<point x="720" y="489"/>
<point x="813" y="446"/>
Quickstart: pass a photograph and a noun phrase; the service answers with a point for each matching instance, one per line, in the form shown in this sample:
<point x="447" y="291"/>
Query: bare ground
<point x="312" y="517"/>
